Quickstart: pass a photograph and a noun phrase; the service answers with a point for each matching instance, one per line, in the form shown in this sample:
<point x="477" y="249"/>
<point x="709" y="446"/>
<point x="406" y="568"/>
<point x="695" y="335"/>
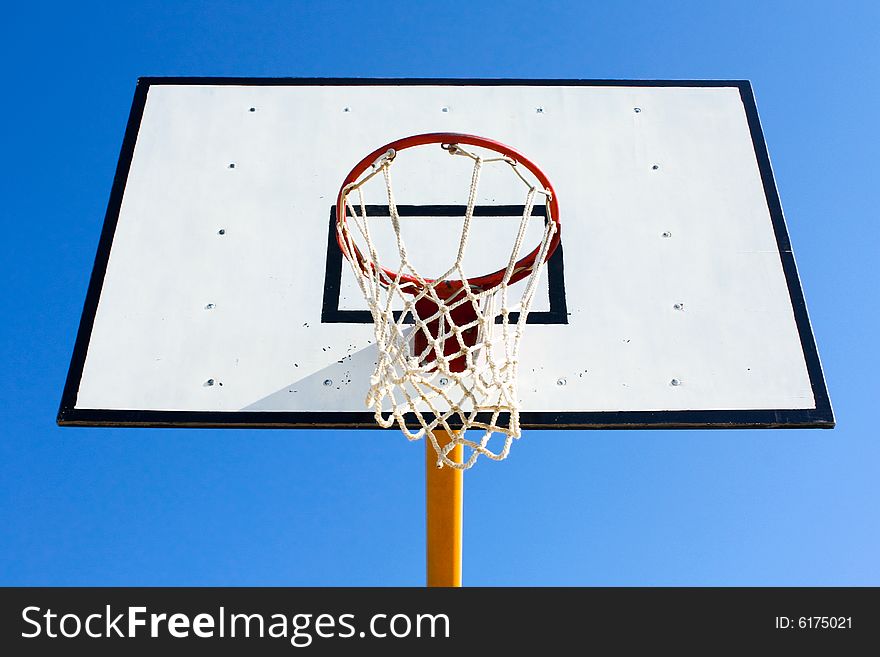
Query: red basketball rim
<point x="523" y="266"/>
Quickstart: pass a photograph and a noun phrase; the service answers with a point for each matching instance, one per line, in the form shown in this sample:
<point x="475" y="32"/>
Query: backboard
<point x="220" y="298"/>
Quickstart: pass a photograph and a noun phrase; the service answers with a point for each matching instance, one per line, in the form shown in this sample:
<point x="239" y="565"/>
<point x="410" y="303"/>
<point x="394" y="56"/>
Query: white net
<point x="448" y="360"/>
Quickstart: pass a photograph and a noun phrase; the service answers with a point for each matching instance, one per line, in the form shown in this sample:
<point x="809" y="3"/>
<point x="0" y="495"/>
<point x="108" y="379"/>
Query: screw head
<point x="655" y="167"/>
<point x="666" y="233"/>
<point x="561" y="381"/>
<point x="209" y="382"/>
<point x="637" y="109"/>
<point x="444" y="109"/>
<point x="232" y="165"/>
<point x="222" y="231"/>
<point x="443" y="381"/>
<point x="252" y="109"/>
<point x="678" y="306"/>
<point x="209" y="306"/>
<point x="328" y="382"/>
<point x="539" y="110"/>
<point x="675" y="382"/>
<point x="346" y="109"/>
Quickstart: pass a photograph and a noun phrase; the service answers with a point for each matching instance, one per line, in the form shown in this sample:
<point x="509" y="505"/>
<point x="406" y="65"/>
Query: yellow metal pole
<point x="444" y="495"/>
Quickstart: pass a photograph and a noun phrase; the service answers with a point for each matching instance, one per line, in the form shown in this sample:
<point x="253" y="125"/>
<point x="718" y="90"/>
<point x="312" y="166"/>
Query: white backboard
<point x="219" y="296"/>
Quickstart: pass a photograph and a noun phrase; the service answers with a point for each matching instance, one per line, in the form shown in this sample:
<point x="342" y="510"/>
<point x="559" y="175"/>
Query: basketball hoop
<point x="456" y="370"/>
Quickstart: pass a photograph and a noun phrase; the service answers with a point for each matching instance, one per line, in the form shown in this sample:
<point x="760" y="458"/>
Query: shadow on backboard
<point x="341" y="385"/>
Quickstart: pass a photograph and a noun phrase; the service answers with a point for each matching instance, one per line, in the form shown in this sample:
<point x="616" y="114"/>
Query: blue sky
<point x="175" y="507"/>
